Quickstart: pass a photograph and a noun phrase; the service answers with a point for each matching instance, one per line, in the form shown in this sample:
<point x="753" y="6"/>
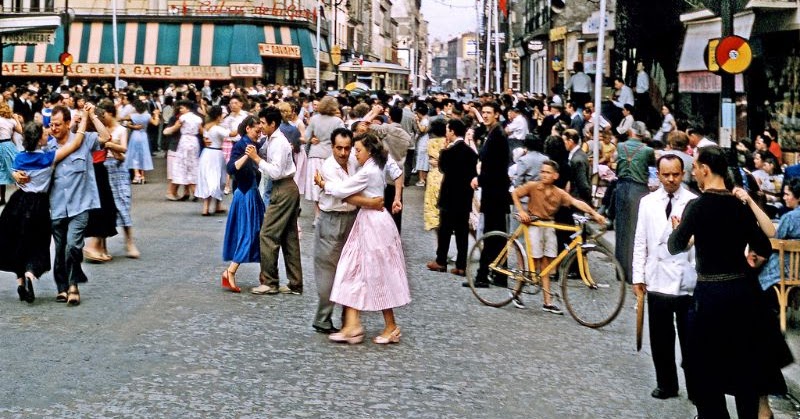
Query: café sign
<point x="278" y="50"/>
<point x="131" y="71"/>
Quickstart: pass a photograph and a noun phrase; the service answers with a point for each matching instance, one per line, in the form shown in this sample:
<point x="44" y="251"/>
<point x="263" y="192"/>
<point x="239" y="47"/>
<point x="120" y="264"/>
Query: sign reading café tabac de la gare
<point x="133" y="71"/>
<point x="278" y="9"/>
<point x="278" y="50"/>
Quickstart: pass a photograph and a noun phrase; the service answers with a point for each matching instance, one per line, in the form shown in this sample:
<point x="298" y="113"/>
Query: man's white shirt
<point x="276" y="157"/>
<point x="331" y="171"/>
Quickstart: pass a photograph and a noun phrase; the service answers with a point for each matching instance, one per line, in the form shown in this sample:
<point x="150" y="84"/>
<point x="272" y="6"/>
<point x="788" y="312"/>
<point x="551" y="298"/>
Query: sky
<point x="448" y="18"/>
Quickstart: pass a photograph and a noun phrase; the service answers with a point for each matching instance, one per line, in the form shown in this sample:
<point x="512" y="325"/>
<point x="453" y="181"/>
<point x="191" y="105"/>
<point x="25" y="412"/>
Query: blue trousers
<point x="68" y="238"/>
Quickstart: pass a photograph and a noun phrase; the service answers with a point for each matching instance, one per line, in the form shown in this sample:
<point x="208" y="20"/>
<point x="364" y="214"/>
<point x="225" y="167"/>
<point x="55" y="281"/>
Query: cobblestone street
<point x="159" y="337"/>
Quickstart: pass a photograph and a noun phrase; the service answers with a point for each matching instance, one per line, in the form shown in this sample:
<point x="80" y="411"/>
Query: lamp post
<point x="65" y="58"/>
<point x="335" y="47"/>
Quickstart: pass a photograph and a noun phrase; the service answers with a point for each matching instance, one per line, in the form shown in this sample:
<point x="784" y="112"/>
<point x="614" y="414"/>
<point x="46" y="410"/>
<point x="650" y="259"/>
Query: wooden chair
<point x="788" y="250"/>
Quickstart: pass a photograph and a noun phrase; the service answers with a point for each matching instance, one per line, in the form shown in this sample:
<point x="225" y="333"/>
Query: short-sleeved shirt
<point x="74" y="187"/>
<point x="544" y="200"/>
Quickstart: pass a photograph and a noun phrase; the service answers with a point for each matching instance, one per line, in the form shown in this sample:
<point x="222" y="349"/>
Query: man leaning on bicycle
<point x="544" y="200"/>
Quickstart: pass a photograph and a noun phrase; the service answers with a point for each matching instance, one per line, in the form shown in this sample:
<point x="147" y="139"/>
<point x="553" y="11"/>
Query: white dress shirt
<point x="518" y="128"/>
<point x="276" y="157"/>
<point x="331" y="171"/>
<point x="652" y="263"/>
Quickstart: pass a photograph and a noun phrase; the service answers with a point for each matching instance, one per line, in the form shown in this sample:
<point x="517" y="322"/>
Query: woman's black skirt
<point x="103" y="220"/>
<point x="25" y="231"/>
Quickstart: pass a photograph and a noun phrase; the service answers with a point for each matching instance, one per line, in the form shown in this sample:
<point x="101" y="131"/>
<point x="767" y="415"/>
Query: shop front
<point x="171" y="51"/>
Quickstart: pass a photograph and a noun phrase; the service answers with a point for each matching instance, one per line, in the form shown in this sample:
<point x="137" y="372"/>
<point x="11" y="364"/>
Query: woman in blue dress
<point x="246" y="211"/>
<point x="138" y="157"/>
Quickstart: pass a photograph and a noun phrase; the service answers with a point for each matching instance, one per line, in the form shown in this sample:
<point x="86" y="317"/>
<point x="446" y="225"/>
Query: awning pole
<point x="114" y="38"/>
<point x="479" y="21"/>
<point x="319" y="45"/>
<point x="496" y="22"/>
<point x="598" y="85"/>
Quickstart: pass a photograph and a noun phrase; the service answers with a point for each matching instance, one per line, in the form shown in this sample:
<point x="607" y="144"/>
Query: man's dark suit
<point x="549" y="121"/>
<point x="23" y="109"/>
<point x="581" y="187"/>
<point x="458" y="164"/>
<point x="577" y="123"/>
<point x="495" y="198"/>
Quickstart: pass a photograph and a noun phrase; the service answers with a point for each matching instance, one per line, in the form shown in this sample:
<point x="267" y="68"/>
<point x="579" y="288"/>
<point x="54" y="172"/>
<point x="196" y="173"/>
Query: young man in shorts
<point x="544" y="200"/>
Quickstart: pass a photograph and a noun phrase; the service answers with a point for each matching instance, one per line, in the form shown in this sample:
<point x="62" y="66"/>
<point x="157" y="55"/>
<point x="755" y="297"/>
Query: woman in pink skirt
<point x="371" y="274"/>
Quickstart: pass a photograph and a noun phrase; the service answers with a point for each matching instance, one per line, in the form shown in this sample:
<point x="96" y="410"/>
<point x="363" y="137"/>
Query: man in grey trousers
<point x="336" y="218"/>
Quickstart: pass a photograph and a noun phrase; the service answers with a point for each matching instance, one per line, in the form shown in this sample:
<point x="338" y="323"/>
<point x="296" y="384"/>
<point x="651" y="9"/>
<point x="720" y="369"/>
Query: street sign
<point x="65" y="59"/>
<point x="336" y="55"/>
<point x="501" y="37"/>
<point x="711" y="55"/>
<point x="733" y="54"/>
<point x="535" y="45"/>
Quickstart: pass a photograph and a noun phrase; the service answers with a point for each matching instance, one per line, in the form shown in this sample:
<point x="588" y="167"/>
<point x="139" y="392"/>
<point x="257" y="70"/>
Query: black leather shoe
<point x="325" y="331"/>
<point x="23" y="293"/>
<point x="662" y="394"/>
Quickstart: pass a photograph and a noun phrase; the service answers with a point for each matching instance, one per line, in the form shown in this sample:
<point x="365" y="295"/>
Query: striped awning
<point x="161" y="50"/>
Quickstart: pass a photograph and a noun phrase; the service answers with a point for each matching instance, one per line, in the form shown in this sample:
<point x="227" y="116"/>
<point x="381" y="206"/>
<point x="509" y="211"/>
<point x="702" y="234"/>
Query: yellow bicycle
<point x="592" y="280"/>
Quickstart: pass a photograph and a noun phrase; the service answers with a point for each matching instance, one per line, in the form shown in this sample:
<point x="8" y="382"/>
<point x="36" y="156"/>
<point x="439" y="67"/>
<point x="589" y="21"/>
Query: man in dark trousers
<point x="495" y="198"/>
<point x="458" y="164"/>
<point x="633" y="160"/>
<point x="668" y="280"/>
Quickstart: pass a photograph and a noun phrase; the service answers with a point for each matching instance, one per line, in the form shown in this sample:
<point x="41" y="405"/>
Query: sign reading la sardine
<point x="278" y="50"/>
<point x="278" y="9"/>
<point x="132" y="71"/>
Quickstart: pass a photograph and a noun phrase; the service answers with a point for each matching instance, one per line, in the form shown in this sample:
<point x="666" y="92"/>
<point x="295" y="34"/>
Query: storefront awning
<point x="157" y="50"/>
<point x="699" y="33"/>
<point x="16" y="23"/>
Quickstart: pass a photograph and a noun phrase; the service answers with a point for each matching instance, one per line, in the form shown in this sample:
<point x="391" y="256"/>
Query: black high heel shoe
<point x="23" y="293"/>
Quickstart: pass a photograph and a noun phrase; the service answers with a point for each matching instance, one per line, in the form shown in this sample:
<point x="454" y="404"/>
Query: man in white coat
<point x="667" y="280"/>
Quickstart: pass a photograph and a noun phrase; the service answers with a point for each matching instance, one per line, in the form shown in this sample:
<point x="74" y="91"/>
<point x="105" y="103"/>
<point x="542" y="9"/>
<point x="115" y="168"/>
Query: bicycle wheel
<point x="497" y="289"/>
<point x="597" y="299"/>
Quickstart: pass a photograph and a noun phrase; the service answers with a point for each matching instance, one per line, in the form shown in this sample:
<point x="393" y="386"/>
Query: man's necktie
<point x="669" y="205"/>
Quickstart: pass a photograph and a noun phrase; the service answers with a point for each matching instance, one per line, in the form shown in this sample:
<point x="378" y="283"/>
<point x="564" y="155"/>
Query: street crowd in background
<point x="675" y="198"/>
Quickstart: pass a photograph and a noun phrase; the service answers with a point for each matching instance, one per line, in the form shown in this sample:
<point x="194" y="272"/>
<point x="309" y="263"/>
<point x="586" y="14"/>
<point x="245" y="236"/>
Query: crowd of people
<point x="479" y="161"/>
